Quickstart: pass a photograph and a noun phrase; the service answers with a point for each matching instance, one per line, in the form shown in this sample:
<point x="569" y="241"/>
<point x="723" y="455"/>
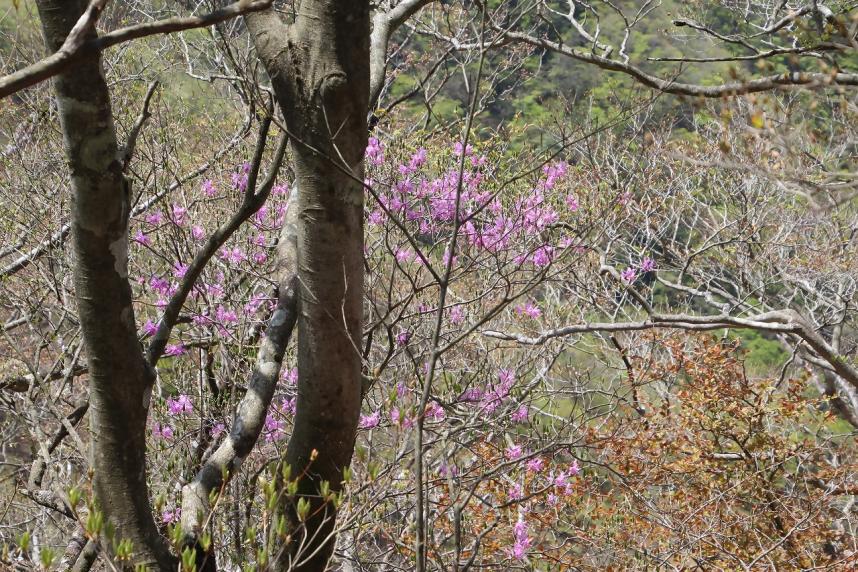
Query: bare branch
<point x="777" y="81"/>
<point x="74" y="49"/>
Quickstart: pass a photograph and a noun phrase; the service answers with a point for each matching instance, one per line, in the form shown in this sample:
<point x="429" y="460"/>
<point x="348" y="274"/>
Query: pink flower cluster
<point x="180" y="405"/>
<point x="171" y="516"/>
<point x="630" y="274"/>
<point x="369" y="421"/>
<point x="162" y="431"/>
<point x="275" y="422"/>
<point x="433" y="204"/>
<point x="521" y="539"/>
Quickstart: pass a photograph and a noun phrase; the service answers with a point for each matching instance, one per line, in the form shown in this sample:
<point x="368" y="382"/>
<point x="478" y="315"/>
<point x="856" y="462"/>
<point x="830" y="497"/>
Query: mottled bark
<point x="319" y="68"/>
<point x="119" y="380"/>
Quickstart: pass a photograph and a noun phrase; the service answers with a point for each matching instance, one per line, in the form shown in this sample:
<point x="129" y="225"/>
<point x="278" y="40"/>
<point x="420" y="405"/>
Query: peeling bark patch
<point x="269" y="369"/>
<point x="278" y="318"/>
<point x="119" y="250"/>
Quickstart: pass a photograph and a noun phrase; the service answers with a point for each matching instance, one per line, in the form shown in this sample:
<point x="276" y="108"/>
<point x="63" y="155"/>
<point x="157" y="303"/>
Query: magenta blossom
<point x="403" y="337"/>
<point x="628" y="275"/>
<point x="459" y="148"/>
<point x="572" y="203"/>
<point x="528" y="309"/>
<point x="543" y="256"/>
<point x="521" y="539"/>
<point x="375" y="151"/>
<point x="162" y="431"/>
<point x="142" y="238"/>
<point x="647" y="265"/>
<point x="171" y="516"/>
<point x="179" y="270"/>
<point x="369" y="421"/>
<point x="208" y="188"/>
<point x="520" y="415"/>
<point x="179" y="214"/>
<point x="218" y="430"/>
<point x="175" y="350"/>
<point x="457" y="315"/>
<point x="513" y="452"/>
<point x="149" y="328"/>
<point x="435" y="412"/>
<point x="535" y="465"/>
<point x="155" y="218"/>
<point x="181" y="405"/>
<point x="448" y="470"/>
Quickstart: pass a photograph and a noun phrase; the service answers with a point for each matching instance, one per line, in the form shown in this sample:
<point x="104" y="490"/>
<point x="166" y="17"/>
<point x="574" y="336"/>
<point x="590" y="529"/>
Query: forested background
<point x="606" y="325"/>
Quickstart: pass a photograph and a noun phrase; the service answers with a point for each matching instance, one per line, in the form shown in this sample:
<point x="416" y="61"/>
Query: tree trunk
<point x="120" y="383"/>
<point x="319" y="68"/>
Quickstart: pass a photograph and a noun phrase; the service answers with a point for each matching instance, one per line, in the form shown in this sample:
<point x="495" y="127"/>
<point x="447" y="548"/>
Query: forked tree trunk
<point x="319" y="67"/>
<point x="119" y="381"/>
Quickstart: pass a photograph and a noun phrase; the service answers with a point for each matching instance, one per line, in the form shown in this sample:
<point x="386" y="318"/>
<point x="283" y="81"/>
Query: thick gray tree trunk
<point x="319" y="67"/>
<point x="120" y="382"/>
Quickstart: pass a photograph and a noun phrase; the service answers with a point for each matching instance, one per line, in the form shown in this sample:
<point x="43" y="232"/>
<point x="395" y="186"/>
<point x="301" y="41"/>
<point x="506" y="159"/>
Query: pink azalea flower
<point x="457" y="315"/>
<point x="521" y="539"/>
<point x="528" y="309"/>
<point x="376" y="217"/>
<point x="459" y="148"/>
<point x="181" y="405"/>
<point x="572" y="203"/>
<point x="543" y="256"/>
<point x="520" y="415"/>
<point x="179" y="214"/>
<point x="628" y="275"/>
<point x="162" y="431"/>
<point x="435" y="412"/>
<point x="375" y="151"/>
<point x="405" y="255"/>
<point x="239" y="181"/>
<point x="288" y="406"/>
<point x="369" y="421"/>
<point x="208" y="188"/>
<point x="149" y="328"/>
<point x="513" y="452"/>
<point x="418" y="159"/>
<point x="535" y="465"/>
<point x="448" y="470"/>
<point x="171" y="516"/>
<point x="403" y="337"/>
<point x="155" y="218"/>
<point x="175" y="350"/>
<point x="142" y="238"/>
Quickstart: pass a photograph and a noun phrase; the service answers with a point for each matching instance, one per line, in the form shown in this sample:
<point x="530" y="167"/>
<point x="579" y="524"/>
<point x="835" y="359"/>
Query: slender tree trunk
<point x="319" y="67"/>
<point x="119" y="380"/>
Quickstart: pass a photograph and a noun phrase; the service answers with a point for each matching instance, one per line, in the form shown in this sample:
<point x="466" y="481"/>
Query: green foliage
<point x="763" y="356"/>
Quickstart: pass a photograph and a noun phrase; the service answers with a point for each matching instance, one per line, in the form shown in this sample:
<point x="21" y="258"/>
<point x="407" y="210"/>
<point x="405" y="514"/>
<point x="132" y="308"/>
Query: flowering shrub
<point x="544" y="446"/>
